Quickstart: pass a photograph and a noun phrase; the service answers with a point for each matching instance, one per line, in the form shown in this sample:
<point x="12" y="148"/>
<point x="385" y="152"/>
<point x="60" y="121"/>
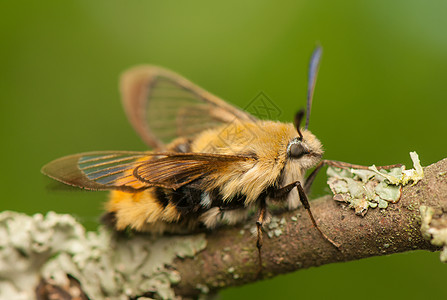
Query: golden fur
<point x="137" y="210"/>
<point x="266" y="142"/>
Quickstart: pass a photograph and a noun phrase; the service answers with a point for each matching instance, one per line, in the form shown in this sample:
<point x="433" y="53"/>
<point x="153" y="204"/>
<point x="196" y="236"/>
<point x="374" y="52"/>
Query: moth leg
<point x="345" y="165"/>
<point x="259" y="222"/>
<point x="339" y="164"/>
<point x="282" y="192"/>
<point x="310" y="179"/>
<point x="305" y="201"/>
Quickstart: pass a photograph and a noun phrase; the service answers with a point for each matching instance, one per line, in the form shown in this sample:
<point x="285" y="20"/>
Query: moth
<point x="210" y="164"/>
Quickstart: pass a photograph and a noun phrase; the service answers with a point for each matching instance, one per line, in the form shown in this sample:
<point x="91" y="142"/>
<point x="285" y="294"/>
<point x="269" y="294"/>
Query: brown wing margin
<point x="162" y="105"/>
<point x="101" y="170"/>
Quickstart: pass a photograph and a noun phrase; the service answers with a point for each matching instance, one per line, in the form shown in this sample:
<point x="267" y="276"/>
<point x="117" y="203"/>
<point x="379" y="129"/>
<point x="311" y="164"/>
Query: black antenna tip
<point x="297" y="121"/>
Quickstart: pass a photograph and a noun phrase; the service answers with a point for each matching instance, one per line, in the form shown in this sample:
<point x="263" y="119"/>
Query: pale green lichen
<point x="51" y="246"/>
<point x="276" y="227"/>
<point x="404" y="176"/>
<point x="202" y="288"/>
<point x="434" y="228"/>
<point x="372" y="188"/>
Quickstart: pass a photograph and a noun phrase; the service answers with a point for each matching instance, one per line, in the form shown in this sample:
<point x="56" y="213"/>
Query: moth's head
<point x="305" y="148"/>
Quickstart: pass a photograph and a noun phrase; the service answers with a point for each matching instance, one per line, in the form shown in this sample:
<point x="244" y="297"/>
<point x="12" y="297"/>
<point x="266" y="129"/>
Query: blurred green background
<point x="381" y="93"/>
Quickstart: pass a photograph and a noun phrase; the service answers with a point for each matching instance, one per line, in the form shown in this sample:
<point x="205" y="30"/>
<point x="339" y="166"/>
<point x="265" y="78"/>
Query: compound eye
<point x="297" y="150"/>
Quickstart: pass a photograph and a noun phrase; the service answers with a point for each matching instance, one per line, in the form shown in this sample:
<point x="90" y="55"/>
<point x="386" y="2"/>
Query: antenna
<point x="314" y="65"/>
<point x="297" y="121"/>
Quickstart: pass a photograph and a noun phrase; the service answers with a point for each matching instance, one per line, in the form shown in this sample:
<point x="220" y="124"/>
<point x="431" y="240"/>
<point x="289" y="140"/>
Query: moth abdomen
<point x="159" y="210"/>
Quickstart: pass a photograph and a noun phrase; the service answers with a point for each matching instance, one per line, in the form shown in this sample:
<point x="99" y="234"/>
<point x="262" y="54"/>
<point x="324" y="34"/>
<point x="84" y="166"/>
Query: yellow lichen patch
<point x="434" y="228"/>
<point x="405" y="176"/>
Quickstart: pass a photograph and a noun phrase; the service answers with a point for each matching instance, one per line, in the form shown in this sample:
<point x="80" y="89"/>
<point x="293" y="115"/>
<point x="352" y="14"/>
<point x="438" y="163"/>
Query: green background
<point x="380" y="94"/>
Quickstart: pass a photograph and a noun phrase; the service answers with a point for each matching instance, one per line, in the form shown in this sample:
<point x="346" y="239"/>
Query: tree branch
<point x="226" y="257"/>
<point x="230" y="258"/>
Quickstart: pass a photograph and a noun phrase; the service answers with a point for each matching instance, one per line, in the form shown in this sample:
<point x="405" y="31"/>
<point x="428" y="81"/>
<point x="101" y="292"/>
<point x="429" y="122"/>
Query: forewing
<point x="103" y="170"/>
<point x="162" y="106"/>
<point x="176" y="170"/>
<point x="132" y="171"/>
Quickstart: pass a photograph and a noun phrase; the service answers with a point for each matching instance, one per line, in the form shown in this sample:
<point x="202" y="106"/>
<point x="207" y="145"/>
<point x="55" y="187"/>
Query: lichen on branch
<point x="108" y="265"/>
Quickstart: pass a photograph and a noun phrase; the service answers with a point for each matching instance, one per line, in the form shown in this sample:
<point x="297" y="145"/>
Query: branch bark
<point x="225" y="257"/>
<point x="230" y="258"/>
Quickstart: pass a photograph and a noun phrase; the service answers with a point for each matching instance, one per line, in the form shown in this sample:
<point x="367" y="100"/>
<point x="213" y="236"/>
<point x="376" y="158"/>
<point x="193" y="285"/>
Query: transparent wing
<point x="130" y="171"/>
<point x="162" y="106"/>
<point x="103" y="170"/>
